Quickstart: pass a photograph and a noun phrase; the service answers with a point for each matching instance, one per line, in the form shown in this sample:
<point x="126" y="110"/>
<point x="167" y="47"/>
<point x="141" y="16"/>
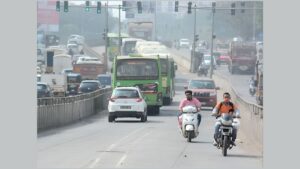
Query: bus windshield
<point x="137" y="69"/>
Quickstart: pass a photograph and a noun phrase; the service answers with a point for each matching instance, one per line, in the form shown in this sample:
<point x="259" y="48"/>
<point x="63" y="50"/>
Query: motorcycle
<point x="252" y="89"/>
<point x="188" y="122"/>
<point x="202" y="70"/>
<point x="224" y="138"/>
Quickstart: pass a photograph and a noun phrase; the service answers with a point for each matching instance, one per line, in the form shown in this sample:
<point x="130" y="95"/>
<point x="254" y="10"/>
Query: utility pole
<point x="119" y="47"/>
<point x="194" y="42"/>
<point x="106" y="34"/>
<point x="254" y="19"/>
<point x="212" y="42"/>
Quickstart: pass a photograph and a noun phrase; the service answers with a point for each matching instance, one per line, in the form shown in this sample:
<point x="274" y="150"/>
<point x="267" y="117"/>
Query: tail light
<point x="139" y="100"/>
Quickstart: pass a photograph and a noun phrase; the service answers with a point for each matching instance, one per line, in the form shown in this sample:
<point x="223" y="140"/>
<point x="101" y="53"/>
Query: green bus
<point x="168" y="79"/>
<point x="141" y="71"/>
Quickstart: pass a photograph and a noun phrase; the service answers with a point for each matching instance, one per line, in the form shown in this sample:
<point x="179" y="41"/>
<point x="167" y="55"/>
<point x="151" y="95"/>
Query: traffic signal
<point x="104" y="35"/>
<point x="213" y="7"/>
<point x="233" y="9"/>
<point x="87" y="6"/>
<point x="57" y="6"/>
<point x="243" y="6"/>
<point x="176" y="6"/>
<point x="189" y="7"/>
<point x="196" y="38"/>
<point x="139" y="5"/>
<point x="66" y="6"/>
<point x="98" y="7"/>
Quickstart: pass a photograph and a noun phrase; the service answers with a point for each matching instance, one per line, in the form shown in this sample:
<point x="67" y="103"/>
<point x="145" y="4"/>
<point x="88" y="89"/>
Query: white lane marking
<point x="120" y="163"/>
<point x="96" y="161"/>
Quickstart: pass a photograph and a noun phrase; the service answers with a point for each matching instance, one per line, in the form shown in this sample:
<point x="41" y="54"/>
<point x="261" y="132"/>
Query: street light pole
<point x="194" y="42"/>
<point x="212" y="43"/>
<point x="119" y="47"/>
<point x="106" y="33"/>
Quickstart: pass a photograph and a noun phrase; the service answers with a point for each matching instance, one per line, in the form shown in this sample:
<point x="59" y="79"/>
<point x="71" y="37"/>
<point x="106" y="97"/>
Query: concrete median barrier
<point x="56" y="112"/>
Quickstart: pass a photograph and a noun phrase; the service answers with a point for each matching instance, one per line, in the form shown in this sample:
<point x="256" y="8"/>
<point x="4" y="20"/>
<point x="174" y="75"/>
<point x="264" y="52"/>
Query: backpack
<point x="230" y="104"/>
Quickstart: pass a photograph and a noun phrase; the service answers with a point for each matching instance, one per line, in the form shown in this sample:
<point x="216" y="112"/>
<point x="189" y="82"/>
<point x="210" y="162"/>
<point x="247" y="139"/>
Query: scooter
<point x="189" y="122"/>
<point x="224" y="139"/>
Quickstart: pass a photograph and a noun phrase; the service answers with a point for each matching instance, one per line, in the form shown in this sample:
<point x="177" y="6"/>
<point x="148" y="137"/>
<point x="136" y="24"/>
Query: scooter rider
<point x="189" y="100"/>
<point x="225" y="106"/>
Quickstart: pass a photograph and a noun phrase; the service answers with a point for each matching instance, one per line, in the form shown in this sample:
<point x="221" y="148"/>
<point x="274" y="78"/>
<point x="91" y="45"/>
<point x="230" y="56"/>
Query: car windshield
<point x="201" y="84"/>
<point x="41" y="87"/>
<point x="125" y="93"/>
<point x="105" y="80"/>
<point x="137" y="68"/>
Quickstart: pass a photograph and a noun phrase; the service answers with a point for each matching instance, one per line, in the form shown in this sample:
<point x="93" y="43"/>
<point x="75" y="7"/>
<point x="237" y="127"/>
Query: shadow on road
<point x="138" y="121"/>
<point x="244" y="156"/>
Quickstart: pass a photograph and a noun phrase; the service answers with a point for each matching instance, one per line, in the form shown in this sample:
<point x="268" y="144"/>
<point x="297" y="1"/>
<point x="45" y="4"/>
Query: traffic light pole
<point x="194" y="43"/>
<point x="212" y="44"/>
<point x="119" y="47"/>
<point x="106" y="33"/>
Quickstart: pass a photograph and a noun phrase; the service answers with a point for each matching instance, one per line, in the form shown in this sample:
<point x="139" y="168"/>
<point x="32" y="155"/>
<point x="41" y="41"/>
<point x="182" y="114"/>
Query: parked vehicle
<point x="127" y="102"/>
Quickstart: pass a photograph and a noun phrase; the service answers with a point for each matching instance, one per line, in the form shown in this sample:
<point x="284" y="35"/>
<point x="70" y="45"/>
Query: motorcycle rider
<point x="190" y="100"/>
<point x="226" y="106"/>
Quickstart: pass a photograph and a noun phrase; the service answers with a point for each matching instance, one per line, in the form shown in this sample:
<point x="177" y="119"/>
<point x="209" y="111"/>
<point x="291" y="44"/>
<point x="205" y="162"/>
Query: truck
<point x="61" y="62"/>
<point x="89" y="69"/>
<point x="242" y="57"/>
<point x="140" y="29"/>
<point x="57" y="82"/>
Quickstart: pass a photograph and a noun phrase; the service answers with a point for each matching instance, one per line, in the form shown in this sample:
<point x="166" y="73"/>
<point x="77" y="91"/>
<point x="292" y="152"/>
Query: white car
<point x="184" y="43"/>
<point x="127" y="102"/>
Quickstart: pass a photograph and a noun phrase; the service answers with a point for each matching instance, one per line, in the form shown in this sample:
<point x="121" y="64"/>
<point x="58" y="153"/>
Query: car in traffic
<point x="223" y="59"/>
<point x="67" y="71"/>
<point x="184" y="43"/>
<point x="105" y="80"/>
<point x="207" y="60"/>
<point x="87" y="86"/>
<point x="44" y="90"/>
<point x="204" y="90"/>
<point x="127" y="102"/>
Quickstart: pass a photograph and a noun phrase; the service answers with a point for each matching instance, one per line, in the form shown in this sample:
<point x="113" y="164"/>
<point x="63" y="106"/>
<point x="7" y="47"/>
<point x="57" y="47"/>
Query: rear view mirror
<point x="217" y="88"/>
<point x="175" y="67"/>
<point x="111" y="70"/>
<point x="185" y="87"/>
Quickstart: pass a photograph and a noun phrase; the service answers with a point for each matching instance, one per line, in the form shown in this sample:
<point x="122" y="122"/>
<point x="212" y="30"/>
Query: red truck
<point x="242" y="57"/>
<point x="89" y="70"/>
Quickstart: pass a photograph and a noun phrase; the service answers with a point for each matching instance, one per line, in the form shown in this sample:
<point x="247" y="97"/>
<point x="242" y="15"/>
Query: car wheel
<point x="111" y="118"/>
<point x="144" y="118"/>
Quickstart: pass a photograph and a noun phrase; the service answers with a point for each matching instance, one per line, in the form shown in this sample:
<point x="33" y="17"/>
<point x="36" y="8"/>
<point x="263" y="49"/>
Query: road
<point x="128" y="143"/>
<point x="240" y="82"/>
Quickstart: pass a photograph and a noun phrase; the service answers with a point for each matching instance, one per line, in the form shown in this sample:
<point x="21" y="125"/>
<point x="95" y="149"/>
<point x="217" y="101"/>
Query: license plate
<point x="243" y="68"/>
<point x="203" y="103"/>
<point x="125" y="107"/>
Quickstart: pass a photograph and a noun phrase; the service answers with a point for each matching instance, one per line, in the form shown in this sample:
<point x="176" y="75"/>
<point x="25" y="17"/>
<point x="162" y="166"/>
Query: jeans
<point x="217" y="132"/>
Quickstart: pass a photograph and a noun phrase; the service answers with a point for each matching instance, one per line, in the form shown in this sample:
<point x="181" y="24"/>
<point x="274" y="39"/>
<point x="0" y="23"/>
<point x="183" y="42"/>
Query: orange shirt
<point x="225" y="107"/>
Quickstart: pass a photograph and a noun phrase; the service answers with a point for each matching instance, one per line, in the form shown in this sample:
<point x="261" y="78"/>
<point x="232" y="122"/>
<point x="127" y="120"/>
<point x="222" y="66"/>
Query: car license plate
<point x="125" y="107"/>
<point x="243" y="68"/>
<point x="203" y="103"/>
